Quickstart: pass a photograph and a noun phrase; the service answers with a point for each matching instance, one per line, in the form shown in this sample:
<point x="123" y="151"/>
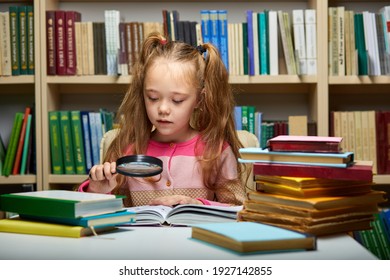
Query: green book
<point x="60" y="203"/>
<point x="360" y="45"/>
<point x="250" y="237"/>
<point x="67" y="142"/>
<point x="14" y="35"/>
<point x="13" y="144"/>
<point x="245" y="46"/>
<point x="57" y="164"/>
<point x="2" y="155"/>
<point x="30" y="41"/>
<point x="244" y="118"/>
<point x="22" y="17"/>
<point x="78" y="145"/>
<point x="23" y="165"/>
<point x="251" y="119"/>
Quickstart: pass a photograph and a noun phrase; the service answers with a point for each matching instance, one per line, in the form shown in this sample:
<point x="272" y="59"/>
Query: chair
<point x="247" y="139"/>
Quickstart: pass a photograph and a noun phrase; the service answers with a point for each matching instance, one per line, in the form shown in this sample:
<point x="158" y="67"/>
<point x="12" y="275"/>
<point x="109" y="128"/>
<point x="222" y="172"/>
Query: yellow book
<point x="41" y="228"/>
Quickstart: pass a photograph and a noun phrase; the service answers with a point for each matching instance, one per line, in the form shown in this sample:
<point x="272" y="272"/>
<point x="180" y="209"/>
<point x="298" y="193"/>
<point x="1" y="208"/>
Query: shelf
<point x="382" y="179"/>
<point x="67" y="179"/>
<point x="22" y="79"/>
<point x="18" y="179"/>
<point x="357" y="80"/>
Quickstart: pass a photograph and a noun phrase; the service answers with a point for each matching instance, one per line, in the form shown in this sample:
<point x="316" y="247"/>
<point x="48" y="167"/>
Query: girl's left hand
<point x="174" y="200"/>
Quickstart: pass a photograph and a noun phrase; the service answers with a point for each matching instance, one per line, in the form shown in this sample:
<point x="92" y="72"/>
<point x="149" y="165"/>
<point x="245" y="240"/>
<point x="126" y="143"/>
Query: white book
<point x="5" y="45"/>
<point x="240" y="49"/>
<point x="299" y="40"/>
<point x="236" y="48"/>
<point x="311" y="41"/>
<point x="111" y="20"/>
<point x="273" y="43"/>
<point x="340" y="41"/>
<point x="79" y="48"/>
<point x="91" y="59"/>
<point x="377" y="63"/>
<point x="256" y="56"/>
<point x="231" y="49"/>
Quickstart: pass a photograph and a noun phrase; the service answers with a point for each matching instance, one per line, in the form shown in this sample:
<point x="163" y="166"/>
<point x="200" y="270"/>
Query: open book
<point x="184" y="214"/>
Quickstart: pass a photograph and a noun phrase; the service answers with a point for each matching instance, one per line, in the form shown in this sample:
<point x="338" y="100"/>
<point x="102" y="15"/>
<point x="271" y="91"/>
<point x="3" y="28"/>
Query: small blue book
<point x="104" y="220"/>
<point x="249" y="237"/>
<point x="321" y="159"/>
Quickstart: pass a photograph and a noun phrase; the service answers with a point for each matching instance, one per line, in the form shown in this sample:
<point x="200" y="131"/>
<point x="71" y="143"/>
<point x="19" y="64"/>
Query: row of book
<point x="17" y="41"/>
<point x="310" y="188"/>
<point x="377" y="239"/>
<point x="18" y="156"/>
<point x="75" y="138"/>
<point x="359" y="43"/>
<point x="366" y="134"/>
<point x="63" y="213"/>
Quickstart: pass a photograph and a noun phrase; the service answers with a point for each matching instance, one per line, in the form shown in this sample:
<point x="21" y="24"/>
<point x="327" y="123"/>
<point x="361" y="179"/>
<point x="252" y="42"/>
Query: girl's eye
<point x="177" y="101"/>
<point x="152" y="98"/>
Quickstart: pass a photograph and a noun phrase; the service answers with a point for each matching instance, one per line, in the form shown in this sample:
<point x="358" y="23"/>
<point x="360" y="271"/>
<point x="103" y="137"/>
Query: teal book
<point x="104" y="220"/>
<point x="341" y="160"/>
<point x="23" y="164"/>
<point x="60" y="203"/>
<point x="250" y="237"/>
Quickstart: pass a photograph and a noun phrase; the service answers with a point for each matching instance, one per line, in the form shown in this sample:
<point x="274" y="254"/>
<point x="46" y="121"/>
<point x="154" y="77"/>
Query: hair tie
<point x="163" y="42"/>
<point x="201" y="49"/>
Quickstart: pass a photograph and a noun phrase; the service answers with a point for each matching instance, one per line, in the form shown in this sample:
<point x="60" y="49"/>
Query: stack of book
<point x="63" y="213"/>
<point x="306" y="184"/>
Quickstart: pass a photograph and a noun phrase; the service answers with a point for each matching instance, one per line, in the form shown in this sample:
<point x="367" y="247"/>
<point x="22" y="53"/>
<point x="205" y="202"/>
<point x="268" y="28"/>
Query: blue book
<point x="246" y="237"/>
<point x="251" y="54"/>
<point x="238" y="117"/>
<point x="86" y="139"/>
<point x="104" y="220"/>
<point x="214" y="29"/>
<point x="95" y="144"/>
<point x="205" y="25"/>
<point x="341" y="160"/>
<point x="223" y="37"/>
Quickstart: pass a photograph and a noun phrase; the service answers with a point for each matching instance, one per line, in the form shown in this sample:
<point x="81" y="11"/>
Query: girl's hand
<point x="102" y="177"/>
<point x="174" y="200"/>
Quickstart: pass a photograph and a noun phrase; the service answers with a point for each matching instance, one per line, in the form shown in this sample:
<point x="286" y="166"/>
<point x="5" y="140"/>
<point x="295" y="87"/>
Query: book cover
<point x="60" y="203"/>
<point x="51" y="42"/>
<point x="244" y="237"/>
<point x="71" y="17"/>
<point x="57" y="164"/>
<point x="319" y="203"/>
<point x="104" y="220"/>
<point x="311" y="144"/>
<point x="78" y="145"/>
<point x="12" y="144"/>
<point x="251" y="154"/>
<point x="42" y="228"/>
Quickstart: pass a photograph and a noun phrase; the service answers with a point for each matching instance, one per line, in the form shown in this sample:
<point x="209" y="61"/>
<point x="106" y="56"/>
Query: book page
<point x="67" y="195"/>
<point x="150" y="214"/>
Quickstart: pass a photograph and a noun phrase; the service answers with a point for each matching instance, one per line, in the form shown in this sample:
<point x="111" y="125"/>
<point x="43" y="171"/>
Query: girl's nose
<point x="163" y="108"/>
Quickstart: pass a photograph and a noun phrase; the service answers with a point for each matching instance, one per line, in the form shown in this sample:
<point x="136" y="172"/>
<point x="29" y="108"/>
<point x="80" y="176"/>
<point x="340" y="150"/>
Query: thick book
<point x="360" y="170"/>
<point x="245" y="237"/>
<point x="50" y="229"/>
<point x="311" y="144"/>
<point x="253" y="155"/>
<point x="104" y="220"/>
<point x="60" y="203"/>
<point x="319" y="203"/>
<point x="184" y="214"/>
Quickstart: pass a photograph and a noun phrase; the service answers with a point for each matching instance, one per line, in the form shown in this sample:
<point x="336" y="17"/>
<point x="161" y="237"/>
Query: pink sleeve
<point x="214" y="203"/>
<point x="84" y="186"/>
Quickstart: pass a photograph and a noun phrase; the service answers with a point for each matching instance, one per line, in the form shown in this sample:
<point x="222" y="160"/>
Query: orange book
<point x="19" y="151"/>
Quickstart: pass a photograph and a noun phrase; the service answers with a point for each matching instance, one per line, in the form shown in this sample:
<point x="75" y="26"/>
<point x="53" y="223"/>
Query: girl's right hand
<point x="102" y="177"/>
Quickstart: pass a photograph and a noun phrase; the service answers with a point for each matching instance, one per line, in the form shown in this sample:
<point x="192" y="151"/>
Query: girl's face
<point x="170" y="98"/>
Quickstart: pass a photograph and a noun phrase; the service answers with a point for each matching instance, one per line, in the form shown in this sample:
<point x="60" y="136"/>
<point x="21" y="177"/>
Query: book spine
<point x="5" y="44"/>
<point x="57" y="164"/>
<point x="223" y="35"/>
<point x="51" y="42"/>
<point x="84" y="47"/>
<point x="273" y="43"/>
<point x="122" y="57"/>
<point x="205" y="25"/>
<point x="94" y="138"/>
<point x="299" y="40"/>
<point x="14" y="35"/>
<point x="263" y="41"/>
<point x="23" y="164"/>
<point x="79" y="48"/>
<point x="86" y="139"/>
<point x="90" y="49"/>
<point x="238" y="117"/>
<point x="12" y="146"/>
<point x="251" y="61"/>
<point x="30" y="41"/>
<point x="251" y="119"/>
<point x="19" y="150"/>
<point x="71" y="17"/>
<point x="22" y="17"/>
<point x="78" y="145"/>
<point x="60" y="40"/>
<point x="67" y="143"/>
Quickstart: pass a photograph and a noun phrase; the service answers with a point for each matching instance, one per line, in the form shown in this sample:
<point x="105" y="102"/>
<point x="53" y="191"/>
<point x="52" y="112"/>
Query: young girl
<point x="179" y="108"/>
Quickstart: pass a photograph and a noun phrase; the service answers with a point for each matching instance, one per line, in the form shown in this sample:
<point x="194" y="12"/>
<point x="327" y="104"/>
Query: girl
<point x="179" y="108"/>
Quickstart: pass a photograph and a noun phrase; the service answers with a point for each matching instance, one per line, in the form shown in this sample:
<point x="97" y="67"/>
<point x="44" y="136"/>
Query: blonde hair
<point x="214" y="117"/>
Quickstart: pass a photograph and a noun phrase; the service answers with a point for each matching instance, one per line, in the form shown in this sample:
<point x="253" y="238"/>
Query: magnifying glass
<point x="139" y="166"/>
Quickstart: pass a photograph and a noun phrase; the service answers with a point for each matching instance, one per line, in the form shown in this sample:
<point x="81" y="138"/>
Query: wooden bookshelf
<point x="317" y="95"/>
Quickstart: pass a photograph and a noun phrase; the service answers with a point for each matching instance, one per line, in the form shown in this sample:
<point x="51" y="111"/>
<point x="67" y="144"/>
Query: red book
<point x="19" y="151"/>
<point x="309" y="144"/>
<point x="360" y="171"/>
<point x="70" y="41"/>
<point x="60" y="40"/>
<point x="51" y="42"/>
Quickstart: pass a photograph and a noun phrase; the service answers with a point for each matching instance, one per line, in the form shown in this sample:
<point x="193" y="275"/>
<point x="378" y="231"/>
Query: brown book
<point x="319" y="203"/>
<point x="134" y="41"/>
<point x="51" y="42"/>
<point x="60" y="40"/>
<point x="70" y="41"/>
<point x="265" y="208"/>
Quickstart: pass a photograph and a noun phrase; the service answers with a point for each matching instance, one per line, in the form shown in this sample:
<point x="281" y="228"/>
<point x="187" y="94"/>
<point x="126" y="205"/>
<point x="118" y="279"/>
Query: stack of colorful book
<point x="306" y="184"/>
<point x="63" y="213"/>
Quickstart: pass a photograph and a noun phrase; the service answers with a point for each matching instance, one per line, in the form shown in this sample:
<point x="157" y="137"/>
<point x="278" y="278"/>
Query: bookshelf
<point x="17" y="92"/>
<point x="277" y="96"/>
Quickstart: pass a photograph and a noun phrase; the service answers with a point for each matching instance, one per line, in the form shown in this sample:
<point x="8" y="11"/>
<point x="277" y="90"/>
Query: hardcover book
<point x="51" y="42"/>
<point x="60" y="203"/>
<point x="311" y="144"/>
<point x="184" y="214"/>
<point x="50" y="229"/>
<point x="359" y="170"/>
<point x="253" y="155"/>
<point x="245" y="237"/>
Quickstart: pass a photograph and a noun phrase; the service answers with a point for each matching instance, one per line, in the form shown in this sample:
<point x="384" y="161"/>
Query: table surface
<point x="145" y="243"/>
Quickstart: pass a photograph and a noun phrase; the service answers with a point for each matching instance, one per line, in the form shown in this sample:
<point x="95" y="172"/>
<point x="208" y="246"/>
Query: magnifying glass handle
<point x="90" y="176"/>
